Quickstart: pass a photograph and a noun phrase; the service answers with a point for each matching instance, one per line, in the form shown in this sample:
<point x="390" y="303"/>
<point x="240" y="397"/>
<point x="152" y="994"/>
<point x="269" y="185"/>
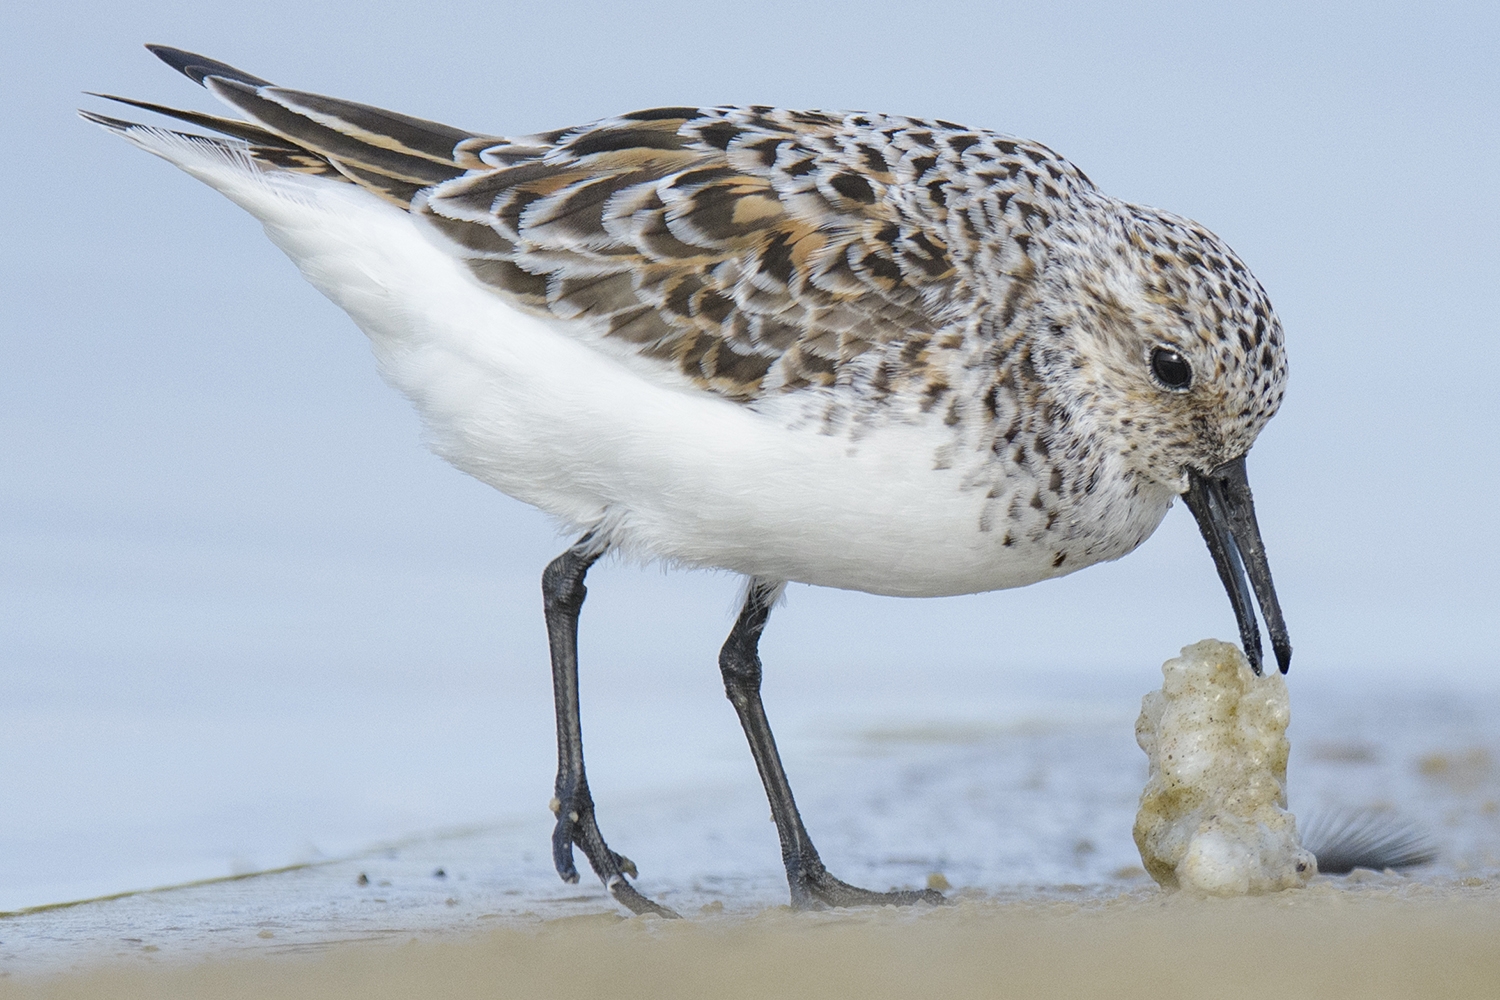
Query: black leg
<point x="562" y="598"/>
<point x="810" y="882"/>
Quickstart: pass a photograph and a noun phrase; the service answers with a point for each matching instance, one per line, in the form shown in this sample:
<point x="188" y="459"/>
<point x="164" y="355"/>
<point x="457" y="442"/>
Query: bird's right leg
<point x="811" y="883"/>
<point x="562" y="599"/>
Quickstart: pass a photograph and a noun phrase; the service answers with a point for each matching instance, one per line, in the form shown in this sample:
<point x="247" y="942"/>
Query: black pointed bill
<point x="1225" y="510"/>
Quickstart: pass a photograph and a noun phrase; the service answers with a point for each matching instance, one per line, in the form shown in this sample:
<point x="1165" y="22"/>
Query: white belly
<point x="667" y="471"/>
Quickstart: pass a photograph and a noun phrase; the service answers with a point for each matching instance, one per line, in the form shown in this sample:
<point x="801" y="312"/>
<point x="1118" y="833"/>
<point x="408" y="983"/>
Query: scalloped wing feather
<point x="753" y="249"/>
<point x="747" y="250"/>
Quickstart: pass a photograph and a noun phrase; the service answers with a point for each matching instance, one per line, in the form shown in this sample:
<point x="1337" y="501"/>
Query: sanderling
<point x="854" y="350"/>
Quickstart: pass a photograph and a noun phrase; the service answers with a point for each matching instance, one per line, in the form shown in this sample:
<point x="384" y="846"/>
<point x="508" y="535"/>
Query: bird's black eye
<point x="1171" y="369"/>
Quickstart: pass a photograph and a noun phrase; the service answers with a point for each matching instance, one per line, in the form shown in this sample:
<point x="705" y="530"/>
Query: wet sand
<point x="1332" y="939"/>
<point x="1030" y="821"/>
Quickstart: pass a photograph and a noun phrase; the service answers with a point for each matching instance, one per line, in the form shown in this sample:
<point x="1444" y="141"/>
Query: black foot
<point x="576" y="825"/>
<point x="813" y="888"/>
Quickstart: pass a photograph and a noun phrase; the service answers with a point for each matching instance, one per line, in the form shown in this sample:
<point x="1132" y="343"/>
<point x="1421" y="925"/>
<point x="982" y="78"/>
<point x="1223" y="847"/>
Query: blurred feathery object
<point x="1379" y="839"/>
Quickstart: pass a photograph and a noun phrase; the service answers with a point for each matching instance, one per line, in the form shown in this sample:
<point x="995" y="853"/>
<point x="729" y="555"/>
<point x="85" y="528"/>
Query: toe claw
<point x="817" y="888"/>
<point x="626" y="895"/>
<point x="576" y="827"/>
<point x="562" y="851"/>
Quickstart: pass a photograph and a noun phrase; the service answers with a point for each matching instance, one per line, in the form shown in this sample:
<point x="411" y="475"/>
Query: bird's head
<point x="1154" y="333"/>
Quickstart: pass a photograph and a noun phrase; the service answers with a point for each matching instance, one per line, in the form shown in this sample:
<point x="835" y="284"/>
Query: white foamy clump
<point x="1213" y="815"/>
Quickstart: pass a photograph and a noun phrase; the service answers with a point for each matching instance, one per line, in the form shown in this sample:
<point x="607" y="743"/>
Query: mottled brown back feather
<point x="754" y="249"/>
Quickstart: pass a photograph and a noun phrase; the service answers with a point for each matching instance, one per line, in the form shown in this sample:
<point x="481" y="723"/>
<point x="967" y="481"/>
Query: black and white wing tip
<point x="199" y="68"/>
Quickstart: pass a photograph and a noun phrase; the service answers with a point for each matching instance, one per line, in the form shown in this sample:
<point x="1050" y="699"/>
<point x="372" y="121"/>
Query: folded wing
<point x="751" y="250"/>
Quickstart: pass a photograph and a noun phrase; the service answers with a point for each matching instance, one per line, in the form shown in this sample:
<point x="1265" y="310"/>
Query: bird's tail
<point x="391" y="154"/>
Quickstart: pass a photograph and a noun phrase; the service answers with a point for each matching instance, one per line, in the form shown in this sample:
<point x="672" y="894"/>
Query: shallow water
<point x="1028" y="793"/>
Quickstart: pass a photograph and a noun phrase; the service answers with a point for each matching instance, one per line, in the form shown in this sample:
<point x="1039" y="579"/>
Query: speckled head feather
<point x="1124" y="282"/>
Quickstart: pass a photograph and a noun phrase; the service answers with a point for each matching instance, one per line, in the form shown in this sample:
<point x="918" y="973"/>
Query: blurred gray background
<point x="245" y="616"/>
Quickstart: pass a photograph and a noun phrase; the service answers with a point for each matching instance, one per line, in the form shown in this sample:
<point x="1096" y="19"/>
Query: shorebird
<point x="852" y="350"/>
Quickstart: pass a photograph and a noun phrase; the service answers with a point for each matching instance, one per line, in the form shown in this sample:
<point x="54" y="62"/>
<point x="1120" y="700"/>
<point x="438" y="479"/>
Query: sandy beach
<point x="1029" y="824"/>
<point x="1385" y="937"/>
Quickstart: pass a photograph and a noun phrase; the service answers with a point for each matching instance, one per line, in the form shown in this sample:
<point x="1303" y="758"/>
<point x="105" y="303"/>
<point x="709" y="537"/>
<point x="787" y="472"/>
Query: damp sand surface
<point x="1379" y="938"/>
<point x="1027" y="816"/>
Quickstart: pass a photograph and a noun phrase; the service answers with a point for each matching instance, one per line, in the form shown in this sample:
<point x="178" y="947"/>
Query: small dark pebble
<point x="363" y="879"/>
<point x="439" y="874"/>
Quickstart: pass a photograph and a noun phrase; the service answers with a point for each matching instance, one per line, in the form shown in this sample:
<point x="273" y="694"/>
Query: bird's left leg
<point x="739" y="662"/>
<point x="562" y="599"/>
